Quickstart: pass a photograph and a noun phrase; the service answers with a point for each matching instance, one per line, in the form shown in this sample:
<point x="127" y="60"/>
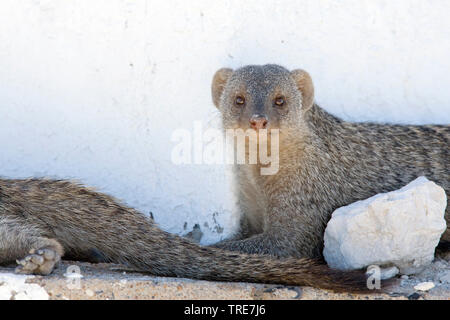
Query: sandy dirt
<point x="76" y="280"/>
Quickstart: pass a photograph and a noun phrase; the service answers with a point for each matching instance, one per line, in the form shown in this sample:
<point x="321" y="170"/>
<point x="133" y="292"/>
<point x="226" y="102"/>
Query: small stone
<point x="404" y="277"/>
<point x="388" y="273"/>
<point x="16" y="287"/>
<point x="400" y="228"/>
<point x="445" y="278"/>
<point x="424" y="286"/>
<point x="414" y="296"/>
<point x="89" y="293"/>
<point x="396" y="294"/>
<point x="382" y="273"/>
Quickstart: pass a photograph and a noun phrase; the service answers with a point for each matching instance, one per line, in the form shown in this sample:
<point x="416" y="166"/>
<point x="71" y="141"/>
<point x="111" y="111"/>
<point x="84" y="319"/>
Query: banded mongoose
<point x="324" y="162"/>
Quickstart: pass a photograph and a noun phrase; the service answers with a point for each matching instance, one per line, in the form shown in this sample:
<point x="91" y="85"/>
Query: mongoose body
<point x="42" y="220"/>
<point x="324" y="162"/>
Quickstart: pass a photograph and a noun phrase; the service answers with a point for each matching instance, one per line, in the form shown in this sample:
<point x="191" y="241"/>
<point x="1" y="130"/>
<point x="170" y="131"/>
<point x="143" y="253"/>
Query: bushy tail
<point x="86" y="221"/>
<point x="152" y="250"/>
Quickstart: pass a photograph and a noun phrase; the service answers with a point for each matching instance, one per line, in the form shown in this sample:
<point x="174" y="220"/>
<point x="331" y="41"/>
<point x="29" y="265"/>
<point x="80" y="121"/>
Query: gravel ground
<point x="109" y="281"/>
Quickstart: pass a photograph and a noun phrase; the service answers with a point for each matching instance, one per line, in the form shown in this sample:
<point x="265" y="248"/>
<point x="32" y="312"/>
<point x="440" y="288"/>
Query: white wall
<point x="93" y="89"/>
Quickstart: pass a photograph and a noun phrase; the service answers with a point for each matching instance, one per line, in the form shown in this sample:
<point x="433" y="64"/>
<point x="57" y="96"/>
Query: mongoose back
<point x="42" y="220"/>
<point x="324" y="162"/>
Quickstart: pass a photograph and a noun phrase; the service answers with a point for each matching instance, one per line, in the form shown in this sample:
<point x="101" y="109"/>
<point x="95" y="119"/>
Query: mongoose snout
<point x="258" y="121"/>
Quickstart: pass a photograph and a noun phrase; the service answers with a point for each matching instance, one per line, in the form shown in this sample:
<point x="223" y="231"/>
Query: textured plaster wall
<point x="93" y="90"/>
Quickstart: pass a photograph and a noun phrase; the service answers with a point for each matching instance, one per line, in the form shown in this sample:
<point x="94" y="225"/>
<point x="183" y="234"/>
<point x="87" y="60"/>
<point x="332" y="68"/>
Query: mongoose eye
<point x="240" y="101"/>
<point x="279" y="101"/>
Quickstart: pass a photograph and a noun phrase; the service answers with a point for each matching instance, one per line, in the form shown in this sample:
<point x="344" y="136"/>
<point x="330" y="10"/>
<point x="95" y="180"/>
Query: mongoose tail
<point x="176" y="256"/>
<point x="60" y="218"/>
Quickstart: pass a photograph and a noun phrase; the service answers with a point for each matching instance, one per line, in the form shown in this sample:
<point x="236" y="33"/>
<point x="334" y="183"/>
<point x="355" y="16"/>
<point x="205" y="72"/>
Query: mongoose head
<point x="262" y="97"/>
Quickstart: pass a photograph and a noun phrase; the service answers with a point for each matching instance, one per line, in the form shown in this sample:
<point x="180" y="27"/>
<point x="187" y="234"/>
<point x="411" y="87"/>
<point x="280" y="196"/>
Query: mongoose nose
<point x="258" y="121"/>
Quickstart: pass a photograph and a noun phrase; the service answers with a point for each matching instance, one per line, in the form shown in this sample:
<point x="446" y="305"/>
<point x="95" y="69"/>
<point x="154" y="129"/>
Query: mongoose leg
<point x="41" y="261"/>
<point x="245" y="230"/>
<point x="264" y="243"/>
<point x="286" y="234"/>
<point x="34" y="253"/>
<point x="257" y="244"/>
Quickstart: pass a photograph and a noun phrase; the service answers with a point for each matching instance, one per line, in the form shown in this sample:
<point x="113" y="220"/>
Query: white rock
<point x="424" y="286"/>
<point x="400" y="228"/>
<point x="14" y="286"/>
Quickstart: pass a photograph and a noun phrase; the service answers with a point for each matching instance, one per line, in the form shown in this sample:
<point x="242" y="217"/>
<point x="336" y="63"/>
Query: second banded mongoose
<point x="43" y="220"/>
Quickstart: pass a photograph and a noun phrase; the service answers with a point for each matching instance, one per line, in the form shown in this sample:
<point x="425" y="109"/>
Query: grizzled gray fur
<point x="324" y="162"/>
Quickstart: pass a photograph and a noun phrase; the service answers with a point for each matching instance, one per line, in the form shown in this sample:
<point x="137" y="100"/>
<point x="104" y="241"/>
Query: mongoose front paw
<point x="41" y="261"/>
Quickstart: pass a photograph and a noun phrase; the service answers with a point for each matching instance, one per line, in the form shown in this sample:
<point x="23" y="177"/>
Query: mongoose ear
<point x="305" y="85"/>
<point x="218" y="84"/>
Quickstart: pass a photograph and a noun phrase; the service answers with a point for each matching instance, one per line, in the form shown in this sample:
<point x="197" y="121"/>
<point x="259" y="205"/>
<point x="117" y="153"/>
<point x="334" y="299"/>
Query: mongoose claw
<point x="40" y="262"/>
